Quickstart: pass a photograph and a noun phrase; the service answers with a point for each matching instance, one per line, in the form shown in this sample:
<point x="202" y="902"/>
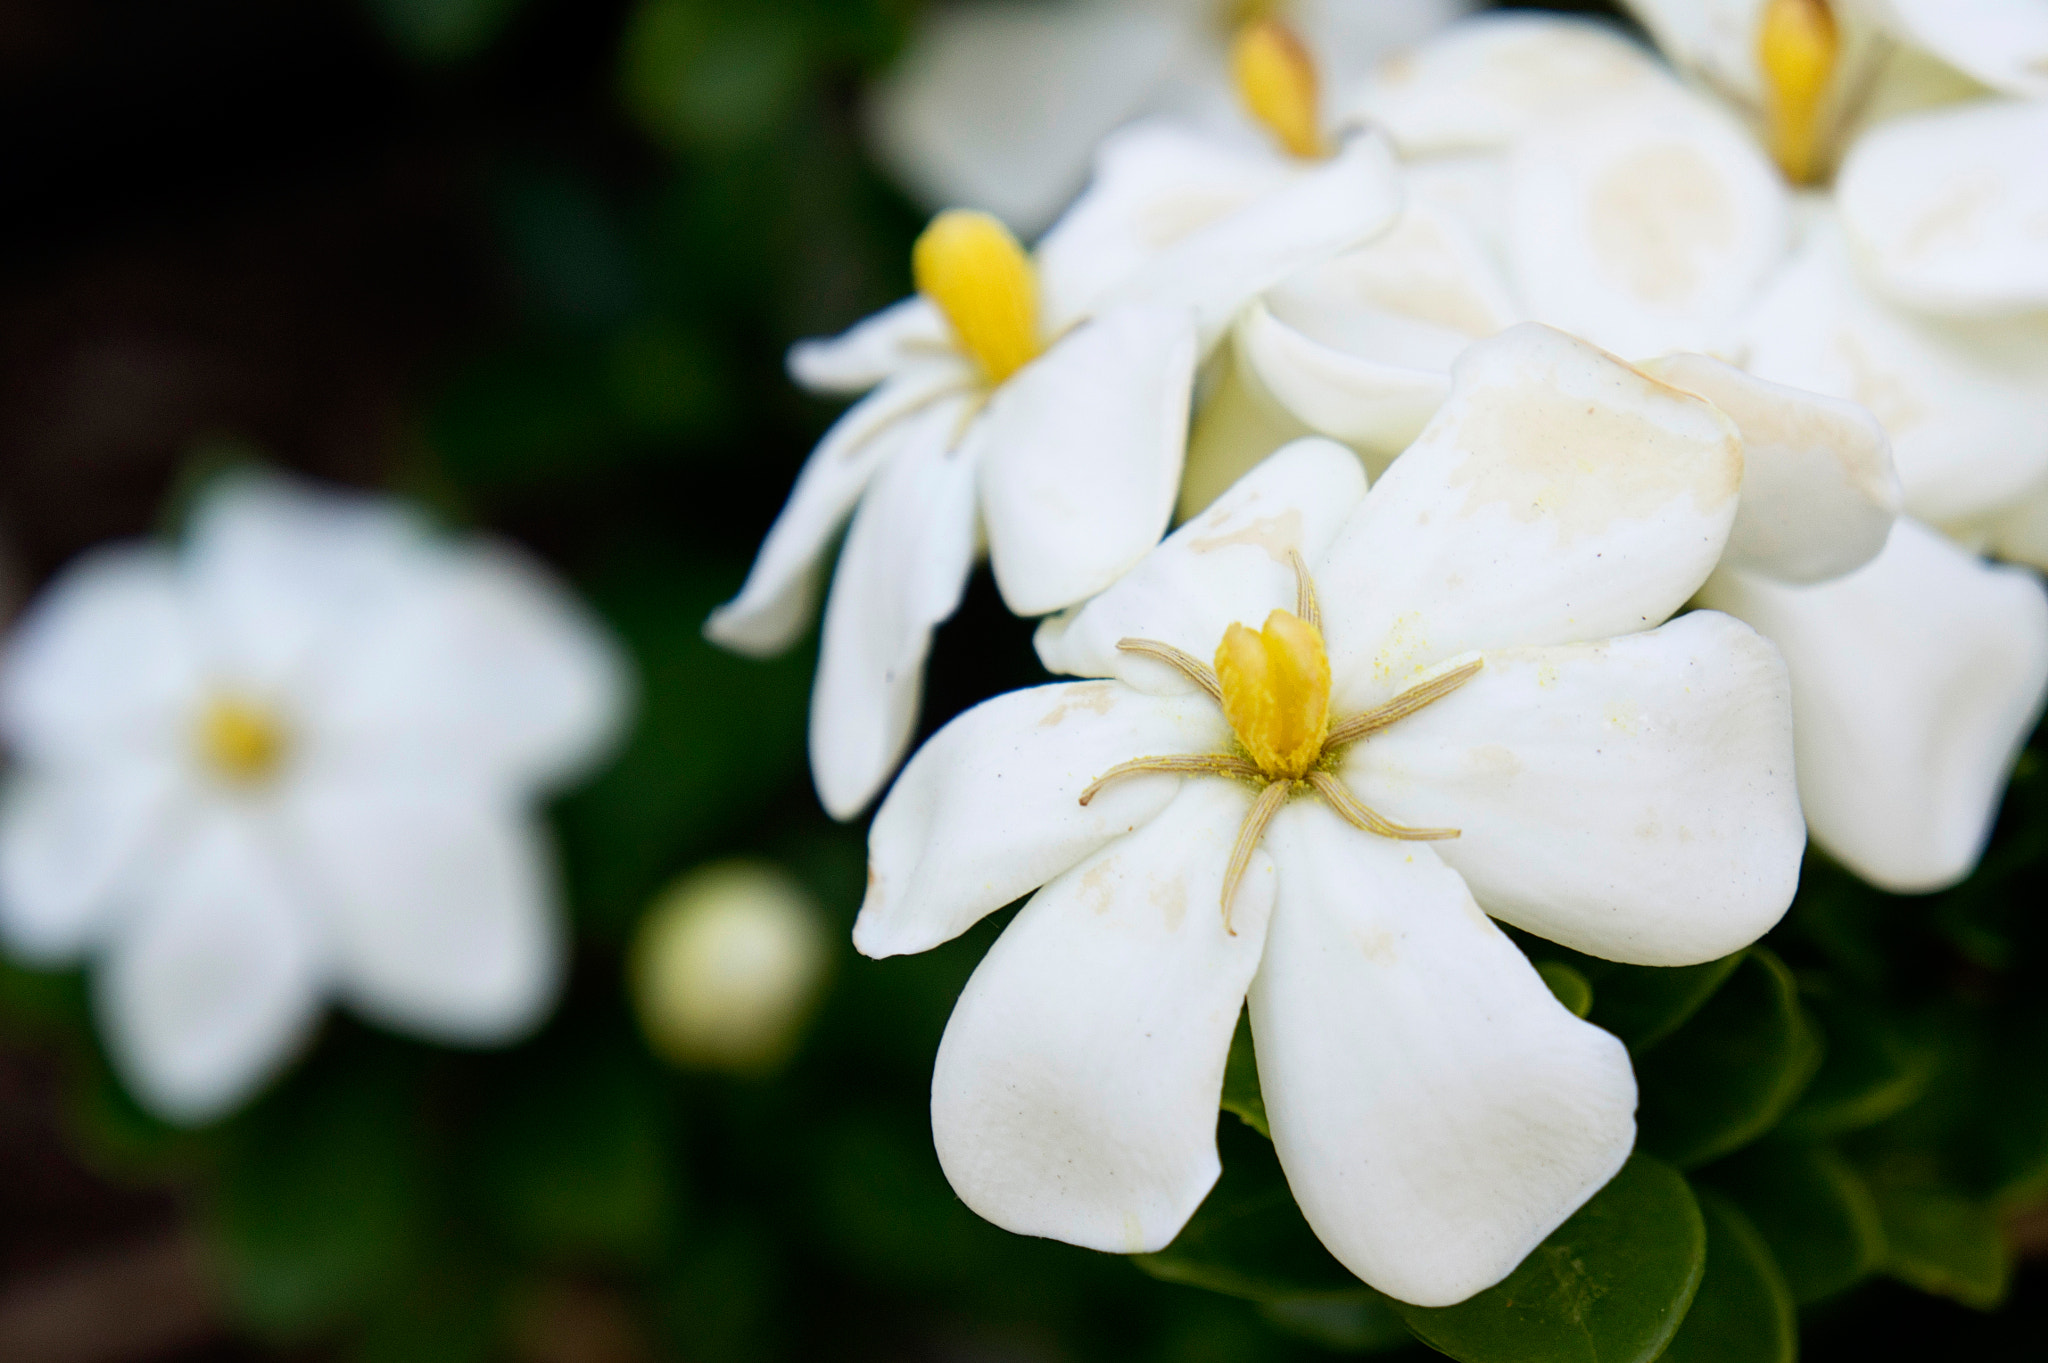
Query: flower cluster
<point x="1335" y="734"/>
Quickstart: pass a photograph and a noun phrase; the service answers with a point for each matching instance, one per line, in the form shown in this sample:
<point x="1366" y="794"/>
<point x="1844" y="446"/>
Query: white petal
<point x="998" y="105"/>
<point x="1375" y="406"/>
<point x="872" y="350"/>
<point x="71" y="844"/>
<point x="488" y="666"/>
<point x="2020" y="531"/>
<point x="104" y="664"/>
<point x="1644" y="225"/>
<point x="216" y="981"/>
<point x="1230" y="565"/>
<point x="1633" y="799"/>
<point x="1558" y="496"/>
<point x="1349" y="39"/>
<point x="1080" y="455"/>
<point x="1716" y="38"/>
<point x="780" y="593"/>
<point x="1155" y="184"/>
<point x="1948" y="210"/>
<point x="1437" y="1110"/>
<point x="1216" y="270"/>
<point x="1483" y="81"/>
<point x="1076" y="1088"/>
<point x="901" y="572"/>
<point x="282" y="572"/>
<point x="439" y="902"/>
<point x="1360" y="349"/>
<point x="2003" y="43"/>
<point x="1914" y="682"/>
<point x="1238" y="423"/>
<point x="989" y="808"/>
<point x="1965" y="404"/>
<point x="1819" y="492"/>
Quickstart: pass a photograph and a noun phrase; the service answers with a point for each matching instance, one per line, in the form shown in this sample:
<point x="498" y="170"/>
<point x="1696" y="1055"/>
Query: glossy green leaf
<point x="1572" y="988"/>
<point x="1872" y="1069"/>
<point x="1733" y="1069"/>
<point x="1361" y="1322"/>
<point x="1248" y="1238"/>
<point x="1813" y="1210"/>
<point x="1743" y="1312"/>
<point x="1944" y="1243"/>
<point x="1610" y="1285"/>
<point x="1643" y="1004"/>
<point x="1241" y="1094"/>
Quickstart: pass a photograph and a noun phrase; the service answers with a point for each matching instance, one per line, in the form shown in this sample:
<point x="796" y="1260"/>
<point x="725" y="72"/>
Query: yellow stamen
<point x="970" y="266"/>
<point x="1797" y="45"/>
<point x="1276" y="82"/>
<point x="1276" y="693"/>
<point x="243" y="743"/>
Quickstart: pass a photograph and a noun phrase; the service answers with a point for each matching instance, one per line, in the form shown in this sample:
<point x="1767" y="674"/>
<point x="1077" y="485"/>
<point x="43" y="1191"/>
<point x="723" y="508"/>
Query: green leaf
<point x="1944" y="1243"/>
<point x="1573" y="990"/>
<point x="1610" y="1285"/>
<point x="317" y="1210"/>
<point x="708" y="75"/>
<point x="1743" y="1312"/>
<point x="1241" y="1094"/>
<point x="1643" y="1004"/>
<point x="571" y="1152"/>
<point x="1812" y="1209"/>
<point x="1733" y="1069"/>
<point x="1872" y="1070"/>
<point x="1360" y="1322"/>
<point x="1248" y="1238"/>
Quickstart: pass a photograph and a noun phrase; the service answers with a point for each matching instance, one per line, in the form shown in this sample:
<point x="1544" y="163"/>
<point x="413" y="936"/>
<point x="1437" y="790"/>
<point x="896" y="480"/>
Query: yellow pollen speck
<point x="242" y="743"/>
<point x="1276" y="693"/>
<point x="1276" y="82"/>
<point x="971" y="267"/>
<point x="1797" y="45"/>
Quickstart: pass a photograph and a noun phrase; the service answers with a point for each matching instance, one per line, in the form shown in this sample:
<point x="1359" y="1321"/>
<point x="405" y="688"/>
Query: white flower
<point x="999" y="105"/>
<point x="1039" y="405"/>
<point x="1482" y="713"/>
<point x="727" y="966"/>
<point x="295" y="760"/>
<point x="1557" y="172"/>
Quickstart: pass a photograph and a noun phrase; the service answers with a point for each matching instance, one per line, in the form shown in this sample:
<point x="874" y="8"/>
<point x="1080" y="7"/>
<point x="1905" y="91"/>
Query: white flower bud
<point x="727" y="966"/>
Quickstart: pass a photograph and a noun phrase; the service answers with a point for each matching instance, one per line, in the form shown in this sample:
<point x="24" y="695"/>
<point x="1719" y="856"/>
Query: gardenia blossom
<point x="295" y="760"/>
<point x="1450" y="697"/>
<point x="1035" y="404"/>
<point x="1000" y="105"/>
<point x="1555" y="171"/>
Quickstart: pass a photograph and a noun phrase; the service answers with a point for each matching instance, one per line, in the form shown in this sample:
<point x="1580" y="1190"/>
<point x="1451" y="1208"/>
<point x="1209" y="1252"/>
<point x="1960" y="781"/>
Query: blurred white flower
<point x="1038" y="404"/>
<point x="999" y="105"/>
<point x="1555" y="171"/>
<point x="727" y="966"/>
<point x="1480" y="714"/>
<point x="296" y="759"/>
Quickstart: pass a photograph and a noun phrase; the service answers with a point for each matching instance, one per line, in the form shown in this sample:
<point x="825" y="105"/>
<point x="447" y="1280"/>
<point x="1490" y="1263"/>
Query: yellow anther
<point x="970" y="266"/>
<point x="1276" y="83"/>
<point x="1797" y="45"/>
<point x="1276" y="693"/>
<point x="243" y="743"/>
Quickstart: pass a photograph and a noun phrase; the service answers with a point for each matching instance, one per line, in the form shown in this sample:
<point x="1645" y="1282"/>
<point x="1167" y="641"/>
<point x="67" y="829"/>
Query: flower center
<point x="1276" y="82"/>
<point x="974" y="272"/>
<point x="243" y="743"/>
<point x="1276" y="693"/>
<point x="1274" y="688"/>
<point x="1797" y="45"/>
